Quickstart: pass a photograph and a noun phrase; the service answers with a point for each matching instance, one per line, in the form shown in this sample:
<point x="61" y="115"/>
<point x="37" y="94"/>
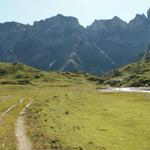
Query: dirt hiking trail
<point x="24" y="142"/>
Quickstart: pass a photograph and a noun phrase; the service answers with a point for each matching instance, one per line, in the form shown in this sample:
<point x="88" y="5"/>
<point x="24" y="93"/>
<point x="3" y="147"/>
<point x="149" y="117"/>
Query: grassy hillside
<point x="18" y="74"/>
<point x="21" y="74"/>
<point x="135" y="74"/>
<point x="68" y="113"/>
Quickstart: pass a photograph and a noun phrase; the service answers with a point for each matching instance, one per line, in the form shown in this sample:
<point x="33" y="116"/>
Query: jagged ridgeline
<point x="135" y="74"/>
<point x="61" y="43"/>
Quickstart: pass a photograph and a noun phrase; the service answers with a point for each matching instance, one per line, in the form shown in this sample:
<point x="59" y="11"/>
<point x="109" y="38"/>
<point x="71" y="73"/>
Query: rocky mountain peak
<point x="138" y="20"/>
<point x="67" y="19"/>
<point x="148" y="14"/>
<point x="59" y="20"/>
<point x="110" y="23"/>
<point x="13" y="27"/>
<point x="116" y="21"/>
<point x="97" y="25"/>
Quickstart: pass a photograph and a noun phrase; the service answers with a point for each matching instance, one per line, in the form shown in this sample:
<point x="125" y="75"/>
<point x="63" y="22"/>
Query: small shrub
<point x="3" y="72"/>
<point x="19" y="76"/>
<point x="37" y="76"/>
<point x="93" y="78"/>
<point x="23" y="82"/>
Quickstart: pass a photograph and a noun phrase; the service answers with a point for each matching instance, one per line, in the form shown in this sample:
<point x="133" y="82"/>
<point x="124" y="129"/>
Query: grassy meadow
<point x="79" y="118"/>
<point x="9" y="96"/>
<point x="68" y="113"/>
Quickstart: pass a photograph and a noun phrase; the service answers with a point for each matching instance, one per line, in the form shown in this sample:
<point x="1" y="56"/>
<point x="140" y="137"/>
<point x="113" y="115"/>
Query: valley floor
<point x="73" y="115"/>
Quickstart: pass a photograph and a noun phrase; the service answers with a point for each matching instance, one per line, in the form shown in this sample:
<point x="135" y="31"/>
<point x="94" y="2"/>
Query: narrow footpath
<point x="24" y="142"/>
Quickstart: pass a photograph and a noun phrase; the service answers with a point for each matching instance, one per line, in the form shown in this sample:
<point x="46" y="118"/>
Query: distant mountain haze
<point x="61" y="43"/>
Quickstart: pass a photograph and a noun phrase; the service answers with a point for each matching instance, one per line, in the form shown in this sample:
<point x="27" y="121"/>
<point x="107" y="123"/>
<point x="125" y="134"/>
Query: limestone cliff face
<point x="61" y="43"/>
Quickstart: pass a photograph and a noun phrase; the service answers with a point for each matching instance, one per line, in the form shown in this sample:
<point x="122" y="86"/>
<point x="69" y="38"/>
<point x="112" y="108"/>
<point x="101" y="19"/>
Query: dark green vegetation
<point x="68" y="113"/>
<point x="61" y="43"/>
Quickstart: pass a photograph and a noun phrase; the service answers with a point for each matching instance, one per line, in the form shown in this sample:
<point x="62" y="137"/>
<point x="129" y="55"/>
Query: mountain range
<point x="61" y="43"/>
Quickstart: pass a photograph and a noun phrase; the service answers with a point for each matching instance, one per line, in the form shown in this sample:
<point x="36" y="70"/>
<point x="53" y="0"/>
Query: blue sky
<point x="27" y="11"/>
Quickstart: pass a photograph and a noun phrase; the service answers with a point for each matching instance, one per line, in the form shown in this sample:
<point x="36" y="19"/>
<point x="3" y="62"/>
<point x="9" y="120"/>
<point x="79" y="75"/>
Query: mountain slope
<point x="19" y="74"/>
<point x="135" y="74"/>
<point x="61" y="43"/>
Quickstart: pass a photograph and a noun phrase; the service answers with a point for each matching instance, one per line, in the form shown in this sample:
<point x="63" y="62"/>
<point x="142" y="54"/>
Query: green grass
<point x="135" y="74"/>
<point x="68" y="113"/>
<point x="6" y="102"/>
<point x="8" y="97"/>
<point x="79" y="117"/>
